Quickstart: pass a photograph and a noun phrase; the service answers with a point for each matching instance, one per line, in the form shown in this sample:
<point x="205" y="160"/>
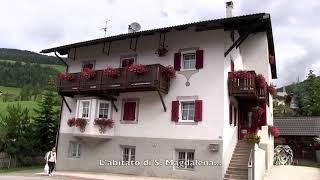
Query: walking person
<point x="51" y="160"/>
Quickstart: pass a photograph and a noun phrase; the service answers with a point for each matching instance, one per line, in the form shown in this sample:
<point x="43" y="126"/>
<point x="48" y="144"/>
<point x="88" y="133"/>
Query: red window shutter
<point x="230" y="114"/>
<point x="129" y="111"/>
<point x="198" y="110"/>
<point x="177" y="61"/>
<point x="235" y="116"/>
<point x="232" y="66"/>
<point x="199" y="59"/>
<point x="175" y="111"/>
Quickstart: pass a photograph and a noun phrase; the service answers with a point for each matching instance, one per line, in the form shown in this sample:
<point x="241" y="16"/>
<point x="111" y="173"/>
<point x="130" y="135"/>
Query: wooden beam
<point x="162" y="101"/>
<point x="114" y="106"/>
<point x="64" y="100"/>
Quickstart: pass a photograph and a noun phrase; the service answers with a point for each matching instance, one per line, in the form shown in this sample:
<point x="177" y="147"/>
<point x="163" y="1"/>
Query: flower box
<point x="242" y="75"/>
<point x="88" y="73"/>
<point x="169" y="71"/>
<point x="272" y="90"/>
<point x="260" y="82"/>
<point x="274" y="131"/>
<point x="81" y="123"/>
<point x="103" y="123"/>
<point x="111" y="72"/>
<point x="138" y="68"/>
<point x="252" y="138"/>
<point x="71" y="122"/>
<point x="65" y="76"/>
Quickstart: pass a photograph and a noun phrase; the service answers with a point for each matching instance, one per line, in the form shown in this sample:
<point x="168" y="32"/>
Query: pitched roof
<point x="260" y="22"/>
<point x="298" y="126"/>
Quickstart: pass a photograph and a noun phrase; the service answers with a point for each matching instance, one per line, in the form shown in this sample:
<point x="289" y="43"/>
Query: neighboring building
<point x="201" y="114"/>
<point x="299" y="133"/>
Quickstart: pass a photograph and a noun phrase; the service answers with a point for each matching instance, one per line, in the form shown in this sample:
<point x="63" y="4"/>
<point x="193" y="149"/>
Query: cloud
<point x="38" y="24"/>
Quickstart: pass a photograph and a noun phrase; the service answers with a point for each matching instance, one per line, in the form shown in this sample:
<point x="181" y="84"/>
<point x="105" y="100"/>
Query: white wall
<point x="230" y="132"/>
<point x="152" y="120"/>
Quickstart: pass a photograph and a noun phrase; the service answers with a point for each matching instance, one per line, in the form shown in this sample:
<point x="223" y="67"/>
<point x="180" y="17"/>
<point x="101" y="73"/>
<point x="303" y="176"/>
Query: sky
<point x="39" y="24"/>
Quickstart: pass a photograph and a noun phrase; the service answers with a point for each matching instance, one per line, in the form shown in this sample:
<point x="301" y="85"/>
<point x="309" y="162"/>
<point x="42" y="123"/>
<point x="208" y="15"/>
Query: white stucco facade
<point x="209" y="84"/>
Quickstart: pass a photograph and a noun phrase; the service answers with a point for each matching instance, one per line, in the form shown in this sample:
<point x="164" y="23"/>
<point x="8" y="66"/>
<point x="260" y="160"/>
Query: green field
<point x="30" y="105"/>
<point x="10" y="90"/>
<point x="59" y="68"/>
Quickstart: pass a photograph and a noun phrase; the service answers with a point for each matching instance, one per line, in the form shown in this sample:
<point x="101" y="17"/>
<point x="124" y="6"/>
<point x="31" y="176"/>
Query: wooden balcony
<point x="245" y="88"/>
<point x="152" y="80"/>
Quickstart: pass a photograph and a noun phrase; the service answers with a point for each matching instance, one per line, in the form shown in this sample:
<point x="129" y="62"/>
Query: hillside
<point x="27" y="56"/>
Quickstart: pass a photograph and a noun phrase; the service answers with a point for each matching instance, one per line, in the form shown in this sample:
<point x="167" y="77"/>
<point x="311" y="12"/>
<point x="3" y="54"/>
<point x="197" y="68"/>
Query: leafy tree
<point x="311" y="100"/>
<point x="46" y="122"/>
<point x="16" y="133"/>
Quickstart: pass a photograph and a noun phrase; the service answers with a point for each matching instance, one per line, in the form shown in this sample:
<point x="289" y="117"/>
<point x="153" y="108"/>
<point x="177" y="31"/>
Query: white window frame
<point x="74" y="149"/>
<point x="136" y="112"/>
<point x="130" y="155"/>
<point x="180" y="110"/>
<point x="109" y="109"/>
<point x="185" y="159"/>
<point x="182" y="59"/>
<point x="80" y="110"/>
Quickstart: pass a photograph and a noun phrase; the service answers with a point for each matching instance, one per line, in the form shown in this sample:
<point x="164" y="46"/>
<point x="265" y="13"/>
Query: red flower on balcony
<point x="260" y="82"/>
<point x="252" y="138"/>
<point x="272" y="90"/>
<point x="71" y="122"/>
<point x="242" y="75"/>
<point x="274" y="131"/>
<point x="103" y="123"/>
<point x="81" y="123"/>
<point x="138" y="68"/>
<point x="112" y="72"/>
<point x="161" y="52"/>
<point x="88" y="73"/>
<point x="65" y="76"/>
<point x="169" y="71"/>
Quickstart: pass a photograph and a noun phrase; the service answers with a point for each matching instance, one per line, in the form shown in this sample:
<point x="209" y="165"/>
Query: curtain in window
<point x="129" y="112"/>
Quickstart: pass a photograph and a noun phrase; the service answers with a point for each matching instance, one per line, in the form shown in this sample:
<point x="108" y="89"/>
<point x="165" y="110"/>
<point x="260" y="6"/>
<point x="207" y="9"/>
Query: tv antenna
<point x="105" y="28"/>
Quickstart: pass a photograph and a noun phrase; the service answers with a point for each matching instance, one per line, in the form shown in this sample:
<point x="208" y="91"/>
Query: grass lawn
<point x="59" y="68"/>
<point x="6" y="170"/>
<point x="10" y="90"/>
<point x="25" y="104"/>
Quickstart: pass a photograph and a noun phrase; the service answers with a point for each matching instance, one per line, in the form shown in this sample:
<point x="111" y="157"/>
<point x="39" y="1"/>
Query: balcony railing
<point x="128" y="81"/>
<point x="245" y="87"/>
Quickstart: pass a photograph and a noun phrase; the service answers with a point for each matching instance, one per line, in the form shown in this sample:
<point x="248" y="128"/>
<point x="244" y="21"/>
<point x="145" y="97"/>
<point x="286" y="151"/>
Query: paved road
<point x="293" y="173"/>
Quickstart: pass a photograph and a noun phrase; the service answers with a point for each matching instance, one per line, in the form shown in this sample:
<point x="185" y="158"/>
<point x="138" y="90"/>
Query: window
<point x="126" y="62"/>
<point x="104" y="109"/>
<point x="128" y="153"/>
<point x="74" y="149"/>
<point x="84" y="109"/>
<point x="130" y="111"/>
<point x="187" y="111"/>
<point x="185" y="159"/>
<point x="189" y="60"/>
<point x="88" y="64"/>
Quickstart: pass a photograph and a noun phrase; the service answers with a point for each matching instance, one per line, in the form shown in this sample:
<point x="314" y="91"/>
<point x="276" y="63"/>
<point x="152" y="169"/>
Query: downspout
<point x="61" y="107"/>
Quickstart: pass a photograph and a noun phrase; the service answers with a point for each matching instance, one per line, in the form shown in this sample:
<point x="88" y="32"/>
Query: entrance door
<point x="246" y="122"/>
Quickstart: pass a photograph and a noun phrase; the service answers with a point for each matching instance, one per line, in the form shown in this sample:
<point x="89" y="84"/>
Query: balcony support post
<point x="161" y="98"/>
<point x="64" y="100"/>
<point x="114" y="105"/>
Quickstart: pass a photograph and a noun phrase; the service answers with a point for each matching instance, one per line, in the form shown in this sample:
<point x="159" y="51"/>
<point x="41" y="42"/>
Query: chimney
<point x="229" y="7"/>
